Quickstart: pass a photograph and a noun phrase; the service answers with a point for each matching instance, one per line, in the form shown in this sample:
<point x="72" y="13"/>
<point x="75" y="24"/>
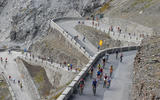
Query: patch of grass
<point x="2" y="84"/>
<point x="140" y="2"/>
<point x="39" y="77"/>
<point x="2" y="97"/>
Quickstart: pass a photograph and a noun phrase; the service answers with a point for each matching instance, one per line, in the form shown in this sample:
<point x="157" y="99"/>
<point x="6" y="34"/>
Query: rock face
<point x="23" y="20"/>
<point x="55" y="46"/>
<point x="3" y="4"/>
<point x="146" y="76"/>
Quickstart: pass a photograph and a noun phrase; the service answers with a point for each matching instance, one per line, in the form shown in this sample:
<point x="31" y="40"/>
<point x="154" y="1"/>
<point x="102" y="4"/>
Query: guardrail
<point x="2" y="50"/>
<point x="68" y="18"/>
<point x="70" y="39"/>
<point x="74" y="84"/>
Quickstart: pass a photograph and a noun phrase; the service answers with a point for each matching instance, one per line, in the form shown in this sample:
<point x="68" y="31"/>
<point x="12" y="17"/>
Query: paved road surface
<point x="121" y="81"/>
<point x="69" y="27"/>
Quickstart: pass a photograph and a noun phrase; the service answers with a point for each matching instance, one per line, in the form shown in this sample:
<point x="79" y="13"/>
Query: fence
<point x="74" y="84"/>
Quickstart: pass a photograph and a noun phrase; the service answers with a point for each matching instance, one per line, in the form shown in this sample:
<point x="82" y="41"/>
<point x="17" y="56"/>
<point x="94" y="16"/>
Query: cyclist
<point x="107" y="57"/>
<point x="1" y="59"/>
<point x="109" y="82"/>
<point x="98" y="75"/>
<point x="105" y="80"/>
<point x="104" y="61"/>
<point x="6" y="60"/>
<point x="94" y="85"/>
<point x="9" y="51"/>
<point x="71" y="66"/>
<point x="117" y="54"/>
<point x="81" y="86"/>
<point x="99" y="66"/>
<point x="121" y="57"/>
<point x="91" y="72"/>
<point x="101" y="70"/>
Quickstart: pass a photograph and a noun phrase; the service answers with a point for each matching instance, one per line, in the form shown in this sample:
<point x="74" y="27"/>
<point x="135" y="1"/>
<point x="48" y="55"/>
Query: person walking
<point x="94" y="86"/>
<point x="111" y="70"/>
<point x="104" y="61"/>
<point x="98" y="48"/>
<point x="68" y="66"/>
<point x="81" y="84"/>
<point x="6" y="60"/>
<point x="10" y="78"/>
<point x="84" y="38"/>
<point x="21" y="86"/>
<point x="121" y="57"/>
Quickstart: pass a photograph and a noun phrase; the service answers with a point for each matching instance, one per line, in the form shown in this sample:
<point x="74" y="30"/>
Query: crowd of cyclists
<point x="101" y="74"/>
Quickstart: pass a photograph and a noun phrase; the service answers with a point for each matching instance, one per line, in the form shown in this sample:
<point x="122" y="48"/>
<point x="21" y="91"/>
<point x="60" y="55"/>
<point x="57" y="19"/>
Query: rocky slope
<point x="23" y="20"/>
<point x="146" y="77"/>
<point x="145" y="12"/>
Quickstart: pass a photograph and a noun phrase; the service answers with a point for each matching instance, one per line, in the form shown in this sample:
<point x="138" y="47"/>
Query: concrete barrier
<point x="74" y="84"/>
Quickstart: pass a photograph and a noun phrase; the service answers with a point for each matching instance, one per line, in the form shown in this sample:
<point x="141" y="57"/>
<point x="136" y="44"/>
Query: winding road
<point x="121" y="77"/>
